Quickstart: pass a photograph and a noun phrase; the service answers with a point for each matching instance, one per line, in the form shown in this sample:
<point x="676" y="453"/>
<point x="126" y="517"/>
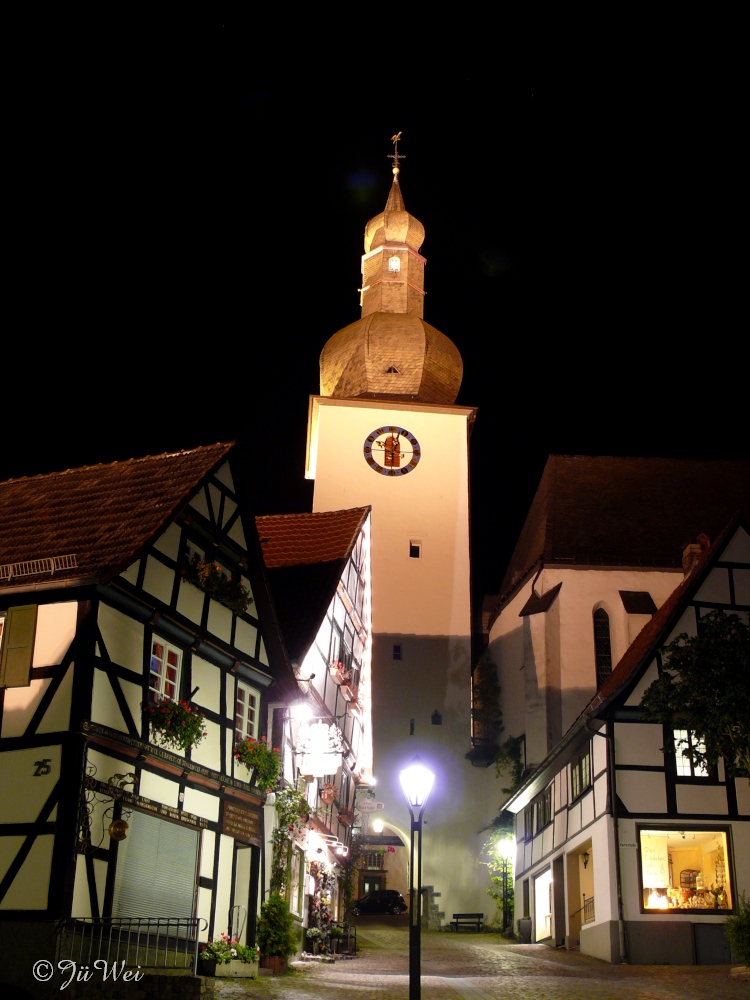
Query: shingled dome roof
<point x="391" y="353"/>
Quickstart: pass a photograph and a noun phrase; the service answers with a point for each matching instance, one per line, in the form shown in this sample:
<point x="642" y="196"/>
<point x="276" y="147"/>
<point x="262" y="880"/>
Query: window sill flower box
<point x="346" y="817"/>
<point x="350" y="692"/>
<point x="212" y="580"/>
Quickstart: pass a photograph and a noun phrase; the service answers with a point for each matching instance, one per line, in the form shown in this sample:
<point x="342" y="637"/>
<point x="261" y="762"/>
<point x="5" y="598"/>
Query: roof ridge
<point x="120" y="461"/>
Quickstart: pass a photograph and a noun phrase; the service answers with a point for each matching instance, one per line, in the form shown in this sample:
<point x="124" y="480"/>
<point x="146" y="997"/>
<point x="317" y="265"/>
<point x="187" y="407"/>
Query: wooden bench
<point x="468" y="920"/>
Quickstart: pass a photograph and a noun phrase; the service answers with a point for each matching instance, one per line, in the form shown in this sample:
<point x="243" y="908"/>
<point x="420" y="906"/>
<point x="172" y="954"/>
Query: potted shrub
<point x="335" y="934"/>
<point x="314" y="934"/>
<point x="738" y="930"/>
<point x="259" y="756"/>
<point x="276" y="938"/>
<point x="212" y="579"/>
<point x="175" y="724"/>
<point x="227" y="957"/>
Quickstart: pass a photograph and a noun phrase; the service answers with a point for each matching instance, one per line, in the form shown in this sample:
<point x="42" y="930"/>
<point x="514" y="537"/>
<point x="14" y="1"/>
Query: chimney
<point x="692" y="552"/>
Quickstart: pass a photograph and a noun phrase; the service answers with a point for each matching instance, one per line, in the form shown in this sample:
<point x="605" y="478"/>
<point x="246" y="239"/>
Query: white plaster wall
<point x="23" y="795"/>
<point x="642" y="791"/>
<point x="158" y="580"/>
<point x="55" y="630"/>
<point x="638" y="743"/>
<point x="426" y="596"/>
<point x="159" y="789"/>
<point x="245" y="637"/>
<point x="710" y="799"/>
<point x="123" y="638"/>
<point x="208" y="752"/>
<point x="29" y="889"/>
<point x="190" y="601"/>
<point x="201" y="804"/>
<point x="207" y="677"/>
<point x="169" y="542"/>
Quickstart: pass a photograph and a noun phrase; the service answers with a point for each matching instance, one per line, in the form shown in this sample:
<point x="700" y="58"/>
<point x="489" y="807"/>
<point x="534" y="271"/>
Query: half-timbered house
<point x="123" y="587"/>
<point x="632" y="853"/>
<point x="319" y="573"/>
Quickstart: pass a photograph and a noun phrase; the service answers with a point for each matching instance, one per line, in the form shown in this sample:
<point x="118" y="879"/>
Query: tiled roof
<point x="306" y="555"/>
<point x="626" y="511"/>
<point x="101" y="514"/>
<point x="305" y="539"/>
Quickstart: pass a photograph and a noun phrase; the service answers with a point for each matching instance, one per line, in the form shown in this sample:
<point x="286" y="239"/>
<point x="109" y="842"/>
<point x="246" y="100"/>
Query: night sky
<point x="191" y="232"/>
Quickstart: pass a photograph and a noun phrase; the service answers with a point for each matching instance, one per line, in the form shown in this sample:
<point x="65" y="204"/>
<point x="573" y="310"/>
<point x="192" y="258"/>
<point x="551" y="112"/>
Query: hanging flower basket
<point x="175" y="724"/>
<point x="328" y="792"/>
<point x="259" y="756"/>
<point x="346" y="817"/>
<point x="339" y="674"/>
<point x="212" y="580"/>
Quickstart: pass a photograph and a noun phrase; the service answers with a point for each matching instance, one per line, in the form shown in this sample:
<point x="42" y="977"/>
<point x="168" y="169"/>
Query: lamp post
<point x="505" y="849"/>
<point x="416" y="781"/>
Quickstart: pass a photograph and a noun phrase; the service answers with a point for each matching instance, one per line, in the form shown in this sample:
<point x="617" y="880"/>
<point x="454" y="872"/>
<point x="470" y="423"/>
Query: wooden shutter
<point x="18" y="646"/>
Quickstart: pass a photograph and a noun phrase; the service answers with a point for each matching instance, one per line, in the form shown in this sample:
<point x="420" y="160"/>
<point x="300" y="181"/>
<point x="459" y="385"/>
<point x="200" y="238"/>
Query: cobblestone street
<point x="483" y="967"/>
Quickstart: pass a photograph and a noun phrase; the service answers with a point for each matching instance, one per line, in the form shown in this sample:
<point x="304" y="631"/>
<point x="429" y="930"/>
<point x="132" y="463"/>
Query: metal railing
<point x="138" y="942"/>
<point x="588" y="909"/>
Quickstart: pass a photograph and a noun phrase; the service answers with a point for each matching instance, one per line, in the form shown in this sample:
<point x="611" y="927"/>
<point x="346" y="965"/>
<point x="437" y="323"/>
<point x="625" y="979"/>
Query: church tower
<point x="385" y="431"/>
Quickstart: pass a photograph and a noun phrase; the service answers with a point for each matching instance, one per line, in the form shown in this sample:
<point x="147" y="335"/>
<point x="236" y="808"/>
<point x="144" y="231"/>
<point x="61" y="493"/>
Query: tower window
<point x="602" y="646"/>
<point x="392" y="370"/>
<point x="397" y="651"/>
<point x="436" y="718"/>
<point x="415" y="550"/>
<point x="394" y="264"/>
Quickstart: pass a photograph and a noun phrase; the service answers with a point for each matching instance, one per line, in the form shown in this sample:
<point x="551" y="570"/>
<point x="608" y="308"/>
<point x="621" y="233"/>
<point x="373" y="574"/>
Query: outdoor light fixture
<point x="416" y="781"/>
<point x="585" y="858"/>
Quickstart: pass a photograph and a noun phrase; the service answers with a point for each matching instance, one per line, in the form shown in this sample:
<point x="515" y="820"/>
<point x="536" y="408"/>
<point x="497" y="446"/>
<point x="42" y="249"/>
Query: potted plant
<point x="175" y="724"/>
<point x="259" y="756"/>
<point x="337" y="671"/>
<point x="350" y="691"/>
<point x="227" y="957"/>
<point x="738" y="930"/>
<point x="346" y="816"/>
<point x="314" y="934"/>
<point x="328" y="792"/>
<point x="276" y="938"/>
<point x="335" y="934"/>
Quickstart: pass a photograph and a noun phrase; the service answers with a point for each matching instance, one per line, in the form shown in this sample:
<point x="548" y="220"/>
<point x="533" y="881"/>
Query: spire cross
<point x="395" y="155"/>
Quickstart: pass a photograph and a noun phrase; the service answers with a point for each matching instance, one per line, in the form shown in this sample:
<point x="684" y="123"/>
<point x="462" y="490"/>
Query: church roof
<point x="390" y="352"/>
<point x="102" y="515"/>
<point x="636" y="512"/>
<point x="305" y="556"/>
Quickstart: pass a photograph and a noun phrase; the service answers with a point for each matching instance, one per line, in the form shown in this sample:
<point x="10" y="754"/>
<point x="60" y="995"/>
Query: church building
<point x="379" y="434"/>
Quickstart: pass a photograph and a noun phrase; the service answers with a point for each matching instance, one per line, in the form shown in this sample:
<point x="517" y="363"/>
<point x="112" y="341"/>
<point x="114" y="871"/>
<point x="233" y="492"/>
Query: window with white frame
<point x="246" y="710"/>
<point x="684" y="741"/>
<point x="166" y="664"/>
<point x="394" y="264"/>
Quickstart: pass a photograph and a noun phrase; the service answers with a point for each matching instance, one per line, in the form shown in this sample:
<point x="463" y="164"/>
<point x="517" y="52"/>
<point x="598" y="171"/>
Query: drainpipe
<point x="612" y="810"/>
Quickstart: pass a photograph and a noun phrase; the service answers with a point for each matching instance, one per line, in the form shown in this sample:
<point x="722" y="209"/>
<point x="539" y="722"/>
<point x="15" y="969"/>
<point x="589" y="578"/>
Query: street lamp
<point x="505" y="850"/>
<point x="416" y="781"/>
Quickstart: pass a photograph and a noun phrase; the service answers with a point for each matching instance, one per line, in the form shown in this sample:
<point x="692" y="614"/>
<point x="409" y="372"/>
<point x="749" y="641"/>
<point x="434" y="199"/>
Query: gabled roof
<point x="101" y="514"/>
<point x="638" y="512"/>
<point x="639" y="654"/>
<point x="305" y="555"/>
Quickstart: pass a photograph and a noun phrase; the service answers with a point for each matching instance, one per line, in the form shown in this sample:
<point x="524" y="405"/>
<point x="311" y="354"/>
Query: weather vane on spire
<point x="395" y="155"/>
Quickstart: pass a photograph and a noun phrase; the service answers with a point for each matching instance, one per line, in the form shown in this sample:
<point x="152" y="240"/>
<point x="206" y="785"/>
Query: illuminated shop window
<point x="684" y="870"/>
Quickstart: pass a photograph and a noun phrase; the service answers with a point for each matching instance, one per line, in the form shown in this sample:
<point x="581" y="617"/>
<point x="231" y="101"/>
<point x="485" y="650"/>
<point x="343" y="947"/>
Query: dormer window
<point x="392" y="370"/>
<point x="394" y="264"/>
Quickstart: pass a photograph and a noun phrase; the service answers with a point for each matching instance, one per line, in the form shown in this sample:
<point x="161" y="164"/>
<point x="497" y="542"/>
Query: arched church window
<point x="602" y="646"/>
<point x="394" y="264"/>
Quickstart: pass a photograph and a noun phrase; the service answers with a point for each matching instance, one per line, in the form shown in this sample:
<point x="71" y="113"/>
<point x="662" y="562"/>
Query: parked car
<point x="380" y="901"/>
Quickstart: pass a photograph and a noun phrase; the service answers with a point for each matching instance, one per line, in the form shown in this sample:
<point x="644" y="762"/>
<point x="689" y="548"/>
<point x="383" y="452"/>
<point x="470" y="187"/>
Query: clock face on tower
<point x="391" y="451"/>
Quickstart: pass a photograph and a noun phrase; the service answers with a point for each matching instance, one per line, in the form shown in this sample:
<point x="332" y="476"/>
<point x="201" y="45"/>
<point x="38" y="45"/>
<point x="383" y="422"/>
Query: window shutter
<point x="156" y="866"/>
<point x="18" y="646"/>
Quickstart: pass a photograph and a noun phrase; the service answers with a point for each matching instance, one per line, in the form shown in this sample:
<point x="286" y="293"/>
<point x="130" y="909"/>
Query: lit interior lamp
<point x="377" y="826"/>
<point x="656" y="901"/>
